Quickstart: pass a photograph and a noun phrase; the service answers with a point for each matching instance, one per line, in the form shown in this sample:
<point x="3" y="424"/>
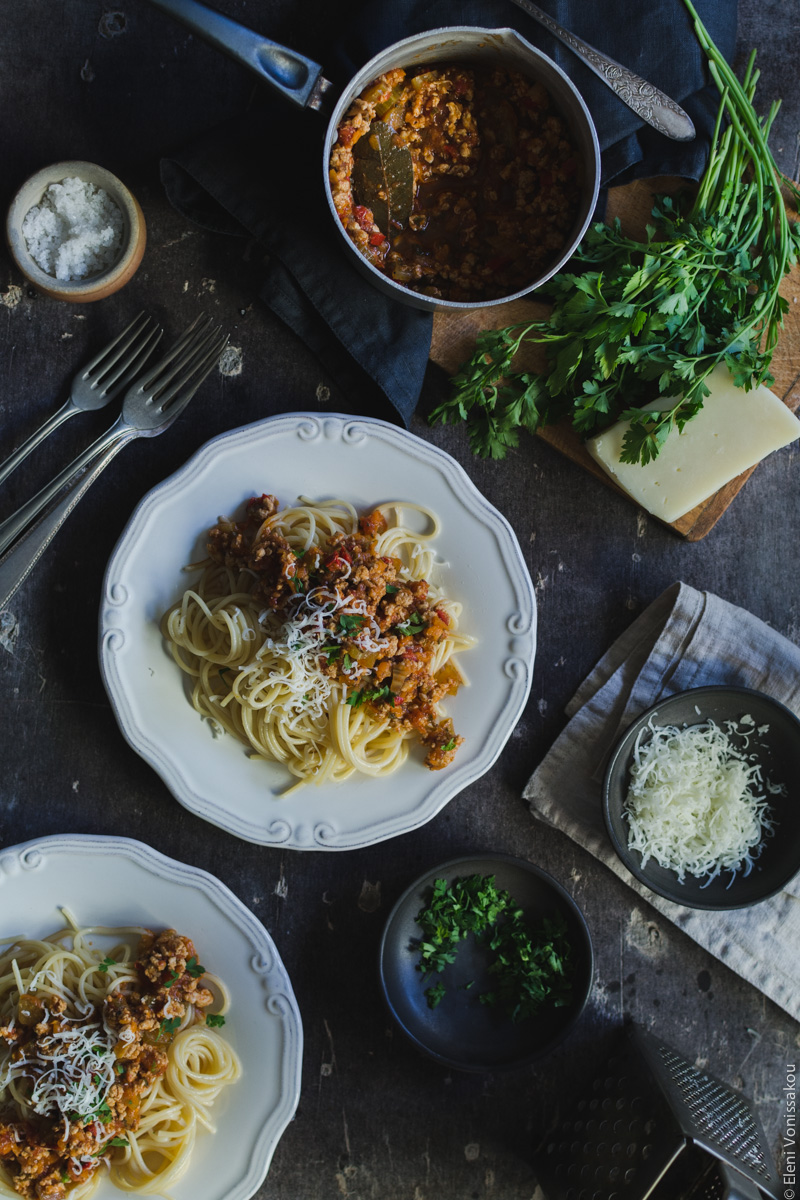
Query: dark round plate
<point x="779" y="753"/>
<point x="461" y="1032"/>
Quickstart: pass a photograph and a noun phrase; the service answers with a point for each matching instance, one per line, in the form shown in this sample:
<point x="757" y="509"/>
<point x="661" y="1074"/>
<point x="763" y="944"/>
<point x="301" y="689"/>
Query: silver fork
<point x="149" y="408"/>
<point x="100" y="382"/>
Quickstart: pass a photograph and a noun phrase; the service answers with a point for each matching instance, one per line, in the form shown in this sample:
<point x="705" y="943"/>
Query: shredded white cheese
<point x="68" y="1071"/>
<point x="696" y="802"/>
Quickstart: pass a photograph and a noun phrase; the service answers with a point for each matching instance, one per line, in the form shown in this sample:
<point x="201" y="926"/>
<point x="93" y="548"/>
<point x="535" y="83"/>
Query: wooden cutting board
<point x="454" y="339"/>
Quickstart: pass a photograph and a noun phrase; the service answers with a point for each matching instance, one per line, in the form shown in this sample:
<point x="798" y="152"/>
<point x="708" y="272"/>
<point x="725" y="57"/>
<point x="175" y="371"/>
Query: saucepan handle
<point x="296" y="77"/>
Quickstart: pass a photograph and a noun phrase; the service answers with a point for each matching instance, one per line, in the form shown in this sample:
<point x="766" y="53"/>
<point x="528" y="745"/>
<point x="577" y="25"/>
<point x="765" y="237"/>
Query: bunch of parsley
<point x="653" y="318"/>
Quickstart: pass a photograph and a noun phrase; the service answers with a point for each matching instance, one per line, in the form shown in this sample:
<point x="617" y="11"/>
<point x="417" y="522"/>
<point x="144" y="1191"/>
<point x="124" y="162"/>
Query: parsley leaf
<point x="119" y="1141"/>
<point x="169" y="1026"/>
<point x="106" y="963"/>
<point x="214" y="1020"/>
<point x="193" y="968"/>
<point x="350" y="622"/>
<point x="411" y="626"/>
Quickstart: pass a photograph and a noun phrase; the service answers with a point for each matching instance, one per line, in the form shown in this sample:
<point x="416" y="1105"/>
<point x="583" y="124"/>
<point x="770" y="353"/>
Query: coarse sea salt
<point x="75" y="231"/>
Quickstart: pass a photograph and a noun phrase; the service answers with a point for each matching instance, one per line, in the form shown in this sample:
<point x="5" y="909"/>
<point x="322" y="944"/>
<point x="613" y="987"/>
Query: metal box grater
<point x="653" y="1127"/>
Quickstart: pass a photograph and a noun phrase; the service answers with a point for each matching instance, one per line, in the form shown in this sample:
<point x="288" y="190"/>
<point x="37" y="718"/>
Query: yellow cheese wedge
<point x="734" y="430"/>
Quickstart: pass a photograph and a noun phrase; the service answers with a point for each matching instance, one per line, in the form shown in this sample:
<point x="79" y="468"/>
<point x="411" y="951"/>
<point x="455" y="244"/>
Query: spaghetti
<point x="315" y="638"/>
<point x="106" y="1061"/>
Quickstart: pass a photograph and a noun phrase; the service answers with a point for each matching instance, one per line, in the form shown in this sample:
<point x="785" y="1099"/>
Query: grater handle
<point x="737" y="1186"/>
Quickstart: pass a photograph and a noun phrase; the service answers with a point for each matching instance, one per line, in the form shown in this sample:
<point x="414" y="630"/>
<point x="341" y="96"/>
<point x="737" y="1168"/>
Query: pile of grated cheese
<point x="697" y="804"/>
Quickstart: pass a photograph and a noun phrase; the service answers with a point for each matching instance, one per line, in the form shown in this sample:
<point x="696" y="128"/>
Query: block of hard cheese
<point x="734" y="430"/>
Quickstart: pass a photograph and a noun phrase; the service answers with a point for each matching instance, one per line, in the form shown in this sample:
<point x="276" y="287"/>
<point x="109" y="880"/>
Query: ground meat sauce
<point x="48" y="1157"/>
<point x="496" y="183"/>
<point x="397" y="685"/>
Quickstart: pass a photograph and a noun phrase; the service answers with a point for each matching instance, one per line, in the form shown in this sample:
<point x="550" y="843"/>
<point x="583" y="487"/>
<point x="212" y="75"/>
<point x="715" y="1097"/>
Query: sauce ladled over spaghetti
<point x="84" y="1046"/>
<point x="318" y="639"/>
<point x="381" y="631"/>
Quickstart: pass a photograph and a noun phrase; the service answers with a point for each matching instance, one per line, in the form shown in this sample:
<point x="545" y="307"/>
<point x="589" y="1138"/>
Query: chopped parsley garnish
<point x="119" y="1067"/>
<point x="391" y="589"/>
<point x="169" y="1026"/>
<point x="357" y="698"/>
<point x="435" y="994"/>
<point x="119" y="1141"/>
<point x="347" y="662"/>
<point x="103" y="1113"/>
<point x="531" y="963"/>
<point x="411" y="626"/>
<point x="350" y="622"/>
<point x="173" y="975"/>
<point x="106" y="963"/>
<point x="214" y="1020"/>
<point x="193" y="968"/>
<point x="332" y="652"/>
<point x="451" y="745"/>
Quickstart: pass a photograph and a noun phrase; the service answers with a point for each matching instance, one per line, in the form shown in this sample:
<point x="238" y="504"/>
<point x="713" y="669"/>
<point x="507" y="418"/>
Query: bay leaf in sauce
<point x="383" y="177"/>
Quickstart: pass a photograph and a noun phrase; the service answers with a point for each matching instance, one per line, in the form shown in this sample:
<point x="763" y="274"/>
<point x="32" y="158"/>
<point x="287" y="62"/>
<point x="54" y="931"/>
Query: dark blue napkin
<point x="262" y="174"/>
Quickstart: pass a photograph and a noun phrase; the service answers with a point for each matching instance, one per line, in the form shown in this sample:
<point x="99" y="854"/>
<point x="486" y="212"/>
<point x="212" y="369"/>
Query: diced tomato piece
<point x="364" y="216"/>
<point x="376" y="239"/>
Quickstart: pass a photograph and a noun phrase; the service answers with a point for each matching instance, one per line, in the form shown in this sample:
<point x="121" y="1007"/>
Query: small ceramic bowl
<point x="777" y="747"/>
<point x="92" y="287"/>
<point x="461" y="1032"/>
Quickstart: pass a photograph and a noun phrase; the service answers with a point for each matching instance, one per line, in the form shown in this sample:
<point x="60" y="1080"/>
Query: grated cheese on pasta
<point x="697" y="804"/>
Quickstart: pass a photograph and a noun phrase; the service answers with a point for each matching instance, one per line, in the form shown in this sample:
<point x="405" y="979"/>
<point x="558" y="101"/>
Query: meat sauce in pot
<point x="489" y="168"/>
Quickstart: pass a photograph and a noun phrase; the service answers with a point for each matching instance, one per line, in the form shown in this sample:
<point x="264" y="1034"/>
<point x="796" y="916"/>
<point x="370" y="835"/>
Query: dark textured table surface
<point x="375" y="1120"/>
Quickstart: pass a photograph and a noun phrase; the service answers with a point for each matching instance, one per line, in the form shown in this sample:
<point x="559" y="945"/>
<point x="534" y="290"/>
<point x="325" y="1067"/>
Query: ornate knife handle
<point x="650" y="104"/>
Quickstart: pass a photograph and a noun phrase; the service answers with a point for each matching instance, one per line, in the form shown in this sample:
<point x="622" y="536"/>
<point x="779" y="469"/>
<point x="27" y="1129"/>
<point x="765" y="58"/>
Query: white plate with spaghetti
<point x="477" y="565"/>
<point x="244" y="1078"/>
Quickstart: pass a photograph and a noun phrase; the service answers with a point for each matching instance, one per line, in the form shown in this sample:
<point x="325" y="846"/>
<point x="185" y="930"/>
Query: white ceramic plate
<point x="117" y="881"/>
<point x="366" y="462"/>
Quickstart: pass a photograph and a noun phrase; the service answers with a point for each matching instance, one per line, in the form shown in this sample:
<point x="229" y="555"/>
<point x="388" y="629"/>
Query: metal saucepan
<point x="300" y="80"/>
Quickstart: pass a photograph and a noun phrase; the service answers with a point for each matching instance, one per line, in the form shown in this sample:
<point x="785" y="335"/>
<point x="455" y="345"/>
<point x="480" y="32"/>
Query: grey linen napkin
<point x="685" y="639"/>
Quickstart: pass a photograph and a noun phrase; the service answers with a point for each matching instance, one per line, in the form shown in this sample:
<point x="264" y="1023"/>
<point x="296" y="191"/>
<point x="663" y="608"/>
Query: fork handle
<point x="114" y="438"/>
<point x="17" y="564"/>
<point x="20" y="454"/>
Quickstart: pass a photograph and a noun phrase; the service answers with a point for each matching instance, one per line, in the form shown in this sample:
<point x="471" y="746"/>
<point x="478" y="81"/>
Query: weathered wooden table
<point x="375" y="1119"/>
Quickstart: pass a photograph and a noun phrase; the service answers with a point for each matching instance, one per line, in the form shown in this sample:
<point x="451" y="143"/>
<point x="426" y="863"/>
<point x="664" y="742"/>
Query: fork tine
<point x="129" y="367"/>
<point x="106" y="357"/>
<point x="184" y="345"/>
<point x="176" y="397"/>
<point x="181" y="369"/>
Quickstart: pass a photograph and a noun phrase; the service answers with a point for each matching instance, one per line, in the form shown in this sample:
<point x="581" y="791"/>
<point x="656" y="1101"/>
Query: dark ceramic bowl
<point x="778" y="750"/>
<point x="461" y="1032"/>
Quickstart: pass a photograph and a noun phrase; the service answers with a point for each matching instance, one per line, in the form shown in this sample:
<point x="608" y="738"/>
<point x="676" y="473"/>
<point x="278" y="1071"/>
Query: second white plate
<point x="118" y="881"/>
<point x="366" y="462"/>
